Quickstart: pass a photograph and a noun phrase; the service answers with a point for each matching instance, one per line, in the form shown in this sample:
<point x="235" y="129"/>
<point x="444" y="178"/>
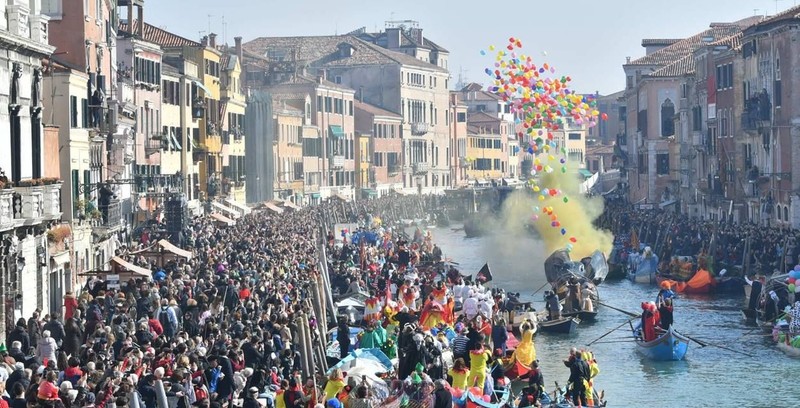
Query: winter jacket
<point x="46" y="349"/>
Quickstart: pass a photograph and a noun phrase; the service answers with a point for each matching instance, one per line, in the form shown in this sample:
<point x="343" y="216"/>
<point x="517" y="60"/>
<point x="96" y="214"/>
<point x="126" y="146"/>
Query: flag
<point x="485" y="275"/>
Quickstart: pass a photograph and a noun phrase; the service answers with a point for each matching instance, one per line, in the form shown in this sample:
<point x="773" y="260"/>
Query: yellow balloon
<point x="536" y="189"/>
<point x="541" y="198"/>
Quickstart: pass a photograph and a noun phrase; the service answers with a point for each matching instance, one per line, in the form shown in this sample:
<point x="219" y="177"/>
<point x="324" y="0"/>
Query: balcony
<point x="29" y="204"/>
<point x="337" y="162"/>
<point x="419" y="129"/>
<point x="111" y="215"/>
<point x="52" y="201"/>
<point x="757" y="110"/>
<point x="421" y="168"/>
<point x="6" y="209"/>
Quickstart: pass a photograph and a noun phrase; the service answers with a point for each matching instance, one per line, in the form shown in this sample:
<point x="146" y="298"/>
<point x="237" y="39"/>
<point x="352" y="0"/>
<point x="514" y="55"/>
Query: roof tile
<point x="158" y="36"/>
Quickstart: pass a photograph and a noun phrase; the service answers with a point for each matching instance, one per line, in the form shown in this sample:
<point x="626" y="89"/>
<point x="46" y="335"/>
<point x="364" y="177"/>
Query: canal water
<point x="708" y="377"/>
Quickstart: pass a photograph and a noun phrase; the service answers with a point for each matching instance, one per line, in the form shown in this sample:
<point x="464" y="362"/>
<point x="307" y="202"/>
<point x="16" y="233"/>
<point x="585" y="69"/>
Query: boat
<point x="732" y="285"/>
<point x="703" y="282"/>
<point x="789" y="350"/>
<point x="564" y="325"/>
<point x="642" y="267"/>
<point x="501" y="397"/>
<point x="583" y="315"/>
<point x="669" y="346"/>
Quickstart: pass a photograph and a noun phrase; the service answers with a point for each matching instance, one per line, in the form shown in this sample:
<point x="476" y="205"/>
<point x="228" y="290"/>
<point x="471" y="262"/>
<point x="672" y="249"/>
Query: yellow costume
<point x="459" y="378"/>
<point x="525" y="352"/>
<point x="332" y="388"/>
<point x="477" y="368"/>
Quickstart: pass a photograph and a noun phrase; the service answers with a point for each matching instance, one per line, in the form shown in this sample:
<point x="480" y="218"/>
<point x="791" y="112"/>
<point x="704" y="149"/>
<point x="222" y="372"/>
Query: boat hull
<point x="790" y="351"/>
<point x="565" y="325"/>
<point x="750" y="316"/>
<point x="670" y="346"/>
<point x="643" y="277"/>
<point x="584" y="316"/>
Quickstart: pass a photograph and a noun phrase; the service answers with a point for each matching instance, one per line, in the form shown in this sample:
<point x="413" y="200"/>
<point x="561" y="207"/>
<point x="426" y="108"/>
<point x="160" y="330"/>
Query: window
<point x="629" y="82"/>
<point x="642" y="163"/>
<point x="574" y="136"/>
<point x="73" y="110"/>
<point x="480" y="108"/>
<point x="337" y="79"/>
<point x="777" y="93"/>
<point x="378" y="159"/>
<point x="667" y="118"/>
<point x="697" y="118"/>
<point x="350" y="106"/>
<point x="319" y="103"/>
<point x="461" y="117"/>
<point x="662" y="164"/>
<point x="328" y="104"/>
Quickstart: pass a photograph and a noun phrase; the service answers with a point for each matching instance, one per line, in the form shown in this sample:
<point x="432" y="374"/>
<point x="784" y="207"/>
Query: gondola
<point x="564" y="325"/>
<point x="669" y="346"/>
<point x="583" y="315"/>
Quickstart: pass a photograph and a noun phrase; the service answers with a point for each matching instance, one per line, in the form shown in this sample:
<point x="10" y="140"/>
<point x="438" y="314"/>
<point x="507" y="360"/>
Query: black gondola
<point x="564" y="325"/>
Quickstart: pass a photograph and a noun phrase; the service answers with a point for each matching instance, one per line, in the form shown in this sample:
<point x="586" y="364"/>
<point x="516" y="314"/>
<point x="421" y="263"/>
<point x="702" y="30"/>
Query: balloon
<point x="792" y="280"/>
<point x="792" y="287"/>
<point x="563" y="231"/>
<point x="796" y="289"/>
<point x="797" y="268"/>
<point x="566" y="199"/>
<point x="573" y="239"/>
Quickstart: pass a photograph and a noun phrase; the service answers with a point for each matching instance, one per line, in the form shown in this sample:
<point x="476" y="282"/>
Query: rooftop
<point x="599" y="149"/>
<point x="374" y="110"/>
<point x="158" y="36"/>
<point x="681" y="67"/>
<point x="682" y="48"/>
<point x="647" y="42"/>
<point x="475" y="92"/>
<point x="406" y="39"/>
<point x="481" y="117"/>
<point x="327" y="51"/>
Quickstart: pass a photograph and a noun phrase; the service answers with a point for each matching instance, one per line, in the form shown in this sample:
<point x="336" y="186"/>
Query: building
<point x="607" y="130"/>
<point x="478" y="100"/>
<point x="487" y="155"/>
<point x="177" y="78"/>
<point x="394" y="81"/>
<point x="659" y="164"/>
<point x="28" y="203"/>
<point x="364" y="174"/>
<point x="384" y="147"/>
<point x="457" y="119"/>
<point x="287" y="155"/>
<point x="232" y="108"/>
<point x="600" y="158"/>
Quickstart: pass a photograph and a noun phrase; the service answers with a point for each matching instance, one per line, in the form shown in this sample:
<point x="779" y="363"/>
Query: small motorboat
<point x="564" y="325"/>
<point x="669" y="346"/>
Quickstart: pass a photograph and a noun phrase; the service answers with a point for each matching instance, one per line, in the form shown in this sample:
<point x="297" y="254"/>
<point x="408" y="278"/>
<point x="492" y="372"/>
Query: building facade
<point x="384" y="150"/>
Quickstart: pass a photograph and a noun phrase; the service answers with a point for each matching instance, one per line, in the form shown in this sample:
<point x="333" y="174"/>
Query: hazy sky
<point x="587" y="40"/>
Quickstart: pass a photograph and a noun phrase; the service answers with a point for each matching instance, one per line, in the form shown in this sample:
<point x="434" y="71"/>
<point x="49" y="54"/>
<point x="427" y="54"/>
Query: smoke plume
<point x="576" y="216"/>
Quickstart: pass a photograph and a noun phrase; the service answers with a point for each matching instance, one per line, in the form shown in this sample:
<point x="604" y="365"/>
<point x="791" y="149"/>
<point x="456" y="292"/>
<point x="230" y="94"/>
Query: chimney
<point x="212" y="40"/>
<point x="238" y="42"/>
<point x="393" y="37"/>
<point x="361" y="94"/>
<point x="204" y="41"/>
<point x="627" y="60"/>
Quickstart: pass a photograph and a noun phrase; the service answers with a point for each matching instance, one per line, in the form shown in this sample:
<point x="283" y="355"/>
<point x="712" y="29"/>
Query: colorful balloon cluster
<point x="793" y="280"/>
<point x="541" y="102"/>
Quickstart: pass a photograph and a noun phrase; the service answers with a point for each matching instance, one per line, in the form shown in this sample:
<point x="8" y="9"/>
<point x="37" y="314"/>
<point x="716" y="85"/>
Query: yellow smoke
<point x="576" y="216"/>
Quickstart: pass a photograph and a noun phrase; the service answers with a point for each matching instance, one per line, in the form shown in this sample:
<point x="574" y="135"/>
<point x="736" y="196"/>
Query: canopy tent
<point x="350" y="302"/>
<point x="167" y="246"/>
<point x="129" y="267"/>
<point x="274" y="208"/>
<point x="243" y="209"/>
<point x="373" y="357"/>
<point x="289" y="204"/>
<point x="222" y="219"/>
<point x="227" y="210"/>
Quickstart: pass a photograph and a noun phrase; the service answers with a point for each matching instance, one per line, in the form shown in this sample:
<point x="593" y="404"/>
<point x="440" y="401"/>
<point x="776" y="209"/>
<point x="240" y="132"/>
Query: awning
<point x="227" y="210"/>
<point x="369" y="192"/>
<point x="314" y="195"/>
<point x="175" y="250"/>
<point x="61" y="258"/>
<point x="336" y="131"/>
<point x="274" y="208"/>
<point x="291" y="205"/>
<point x="666" y="204"/>
<point x="131" y="267"/>
<point x="341" y="197"/>
<point x="239" y="206"/>
<point x="223" y="219"/>
<point x="585" y="173"/>
<point x="203" y="87"/>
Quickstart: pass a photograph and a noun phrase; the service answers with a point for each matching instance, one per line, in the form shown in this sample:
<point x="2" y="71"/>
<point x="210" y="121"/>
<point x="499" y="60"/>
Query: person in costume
<point x="479" y="359"/>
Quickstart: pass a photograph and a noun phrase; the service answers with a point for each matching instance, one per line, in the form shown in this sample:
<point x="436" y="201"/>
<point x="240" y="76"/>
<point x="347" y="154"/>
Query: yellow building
<point x="233" y="105"/>
<point x="364" y="176"/>
<point x="487" y="154"/>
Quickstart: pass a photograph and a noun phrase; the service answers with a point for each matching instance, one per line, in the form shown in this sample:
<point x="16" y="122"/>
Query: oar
<point x="612" y="330"/>
<point x="537" y="290"/>
<point x="620" y="310"/>
<point x="704" y="344"/>
<point x="759" y="326"/>
<point x="631" y="340"/>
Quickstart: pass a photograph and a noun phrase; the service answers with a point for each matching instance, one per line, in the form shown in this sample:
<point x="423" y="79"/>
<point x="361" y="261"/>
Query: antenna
<point x="209" y="22"/>
<point x="755" y="12"/>
<point x="776" y="6"/>
<point x="224" y="31"/>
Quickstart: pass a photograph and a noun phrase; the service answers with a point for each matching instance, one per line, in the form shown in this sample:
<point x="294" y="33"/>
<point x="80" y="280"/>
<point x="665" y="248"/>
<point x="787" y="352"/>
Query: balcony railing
<point x="112" y="214"/>
<point x="419" y="129"/>
<point x="757" y="109"/>
<point x="7" y="221"/>
<point x="421" y="168"/>
<point x="52" y="201"/>
<point x="337" y="161"/>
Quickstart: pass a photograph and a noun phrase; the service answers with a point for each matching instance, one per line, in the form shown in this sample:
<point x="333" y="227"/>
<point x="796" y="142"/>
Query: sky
<point x="587" y="40"/>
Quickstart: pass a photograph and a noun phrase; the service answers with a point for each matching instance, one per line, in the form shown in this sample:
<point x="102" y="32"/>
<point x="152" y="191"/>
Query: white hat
<point x="19" y="366"/>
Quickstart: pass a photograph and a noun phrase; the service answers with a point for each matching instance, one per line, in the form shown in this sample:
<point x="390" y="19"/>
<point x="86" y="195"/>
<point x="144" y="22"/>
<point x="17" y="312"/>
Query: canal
<point x="708" y="377"/>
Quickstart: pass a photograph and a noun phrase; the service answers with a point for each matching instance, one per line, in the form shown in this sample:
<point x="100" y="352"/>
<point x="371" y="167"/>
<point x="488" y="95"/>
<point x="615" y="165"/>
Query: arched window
<point x="667" y="118"/>
<point x="786" y="213"/>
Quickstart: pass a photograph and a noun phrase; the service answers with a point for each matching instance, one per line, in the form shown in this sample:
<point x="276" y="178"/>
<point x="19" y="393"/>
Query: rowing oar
<point x="704" y="344"/>
<point x="631" y="314"/>
<point x="612" y="330"/>
<point x="537" y="290"/>
<point x="759" y="326"/>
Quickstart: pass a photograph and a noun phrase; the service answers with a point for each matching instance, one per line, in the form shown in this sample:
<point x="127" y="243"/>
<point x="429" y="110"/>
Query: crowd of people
<point x="671" y="234"/>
